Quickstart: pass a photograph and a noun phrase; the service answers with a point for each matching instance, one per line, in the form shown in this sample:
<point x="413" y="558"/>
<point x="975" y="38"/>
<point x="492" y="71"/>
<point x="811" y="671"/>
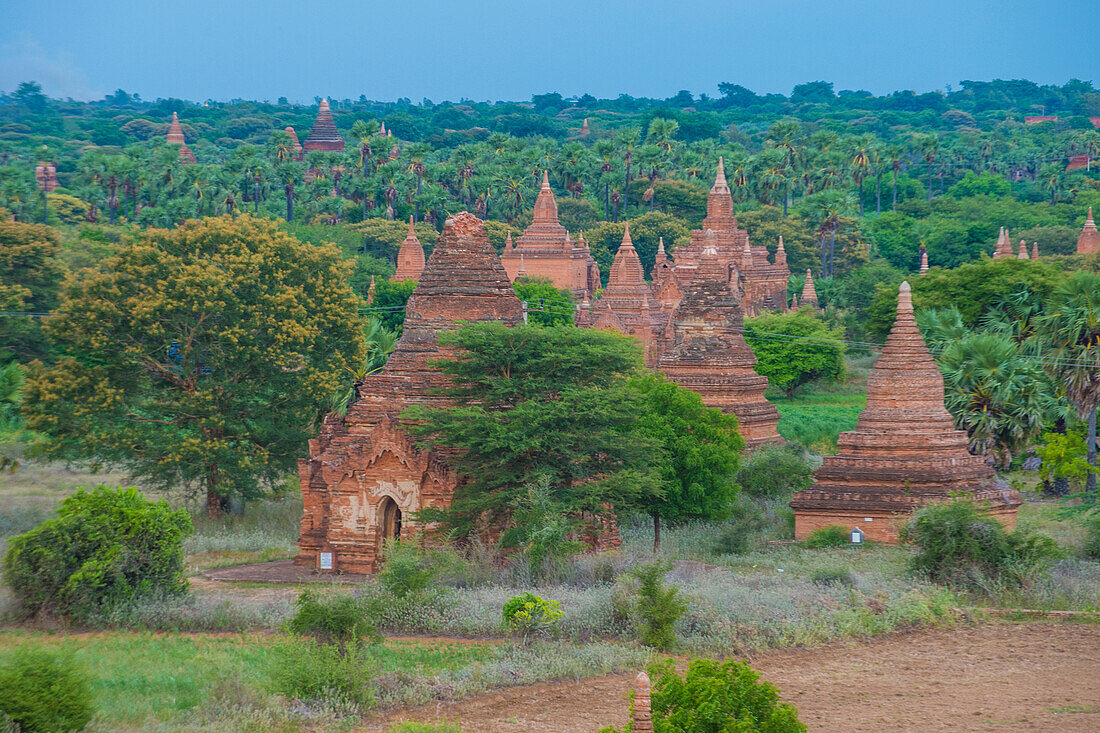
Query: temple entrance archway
<point x="390" y="516"/>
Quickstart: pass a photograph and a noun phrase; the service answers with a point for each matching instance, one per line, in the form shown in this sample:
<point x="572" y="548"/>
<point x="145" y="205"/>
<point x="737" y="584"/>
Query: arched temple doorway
<point x="390" y="515"/>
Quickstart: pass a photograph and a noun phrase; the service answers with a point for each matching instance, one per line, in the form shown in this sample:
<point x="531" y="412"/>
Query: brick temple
<point x="175" y="137"/>
<point x="410" y="257"/>
<point x="708" y="353"/>
<point x="547" y="250"/>
<point x="324" y="136"/>
<point x="1088" y="242"/>
<point x="365" y="477"/>
<point x="904" y="453"/>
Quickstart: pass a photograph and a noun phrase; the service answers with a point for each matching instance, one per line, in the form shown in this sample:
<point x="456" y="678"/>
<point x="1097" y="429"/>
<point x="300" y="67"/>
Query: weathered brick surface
<point x="360" y="463"/>
<point x="904" y="452"/>
<point x="708" y="353"/>
<point x="546" y="250"/>
<point x="324" y="135"/>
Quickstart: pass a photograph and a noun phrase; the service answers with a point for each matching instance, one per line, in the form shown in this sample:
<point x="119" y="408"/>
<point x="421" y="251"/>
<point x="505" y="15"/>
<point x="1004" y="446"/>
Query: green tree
<point x="795" y="348"/>
<point x="197" y="357"/>
<point x="531" y="403"/>
<point x="390" y="300"/>
<point x="546" y="305"/>
<point x="1070" y="329"/>
<point x="700" y="454"/>
<point x="30" y="276"/>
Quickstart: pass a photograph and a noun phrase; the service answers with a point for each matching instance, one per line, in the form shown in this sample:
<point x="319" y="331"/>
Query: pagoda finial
<point x="1034" y="250"/>
<point x="626" y="235"/>
<point x="923" y="259"/>
<point x="780" y="253"/>
<point x="522" y="272"/>
<point x="1088" y="242"/>
<point x="412" y="231"/>
<point x="746" y="255"/>
<point x="546" y="180"/>
<point x="720" y="176"/>
<point x="905" y="298"/>
<point x="508" y="242"/>
<point x="370" y="291"/>
<point x="661" y="249"/>
<point x="809" y="292"/>
<point x="1088" y="218"/>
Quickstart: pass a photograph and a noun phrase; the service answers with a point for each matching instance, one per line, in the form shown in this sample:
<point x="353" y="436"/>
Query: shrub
<point x="659" y="606"/>
<point x="406" y="569"/>
<point x="831" y="536"/>
<point x="716" y="696"/>
<point x="528" y="614"/>
<point x="105" y="547"/>
<point x="736" y="534"/>
<point x="41" y="693"/>
<point x="838" y="576"/>
<point x="775" y="471"/>
<point x="339" y="619"/>
<point x="1092" y="537"/>
<point x="961" y="544"/>
<point x="324" y="673"/>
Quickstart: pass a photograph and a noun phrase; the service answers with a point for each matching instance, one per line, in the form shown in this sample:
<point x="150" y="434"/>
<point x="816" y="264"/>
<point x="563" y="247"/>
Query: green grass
<point x="142" y="678"/>
<point x="816" y="418"/>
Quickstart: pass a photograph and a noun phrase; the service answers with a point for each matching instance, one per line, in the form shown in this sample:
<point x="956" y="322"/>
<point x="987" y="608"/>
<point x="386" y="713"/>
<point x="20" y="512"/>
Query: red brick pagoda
<point x="175" y="137"/>
<point x="365" y="477"/>
<point x="548" y="251"/>
<point x="1088" y="243"/>
<point x="904" y="453"/>
<point x="708" y="353"/>
<point x="410" y="258"/>
<point x="324" y="136"/>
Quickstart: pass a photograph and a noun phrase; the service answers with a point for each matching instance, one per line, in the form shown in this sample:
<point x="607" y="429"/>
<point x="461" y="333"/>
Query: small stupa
<point x="324" y="136"/>
<point x="294" y="142"/>
<point x="175" y="137"/>
<point x="410" y="257"/>
<point x="923" y="259"/>
<point x="904" y="452"/>
<point x="809" y="292"/>
<point x="1034" y="250"/>
<point x="1022" y="254"/>
<point x="1089" y="240"/>
<point x="1004" y="245"/>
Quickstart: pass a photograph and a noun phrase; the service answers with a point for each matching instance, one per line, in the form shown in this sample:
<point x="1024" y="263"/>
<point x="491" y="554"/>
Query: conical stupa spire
<point x="584" y="127"/>
<point x="175" y="131"/>
<point x="508" y="246"/>
<point x="522" y="272"/>
<point x="661" y="249"/>
<point x="410" y="258"/>
<point x="382" y="129"/>
<point x="923" y="260"/>
<point x="1034" y="250"/>
<point x="1089" y="240"/>
<point x="324" y="135"/>
<point x="746" y="256"/>
<point x="1022" y="254"/>
<point x="780" y="253"/>
<point x="720" y="176"/>
<point x="809" y="293"/>
<point x="720" y="202"/>
<point x="370" y="291"/>
<point x="546" y="207"/>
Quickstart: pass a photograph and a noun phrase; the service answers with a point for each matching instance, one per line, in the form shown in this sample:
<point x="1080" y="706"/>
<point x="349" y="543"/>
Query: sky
<point x="511" y="49"/>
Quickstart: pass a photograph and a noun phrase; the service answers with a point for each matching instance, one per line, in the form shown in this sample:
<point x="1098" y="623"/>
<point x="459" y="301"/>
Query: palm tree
<point x="929" y="147"/>
<point x="661" y="133"/>
<point x="861" y="166"/>
<point x="896" y="154"/>
<point x="1070" y="332"/>
<point x="628" y="138"/>
<point x="380" y="343"/>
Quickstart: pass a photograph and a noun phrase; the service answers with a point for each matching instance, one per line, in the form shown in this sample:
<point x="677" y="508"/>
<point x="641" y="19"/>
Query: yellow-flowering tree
<point x="198" y="357"/>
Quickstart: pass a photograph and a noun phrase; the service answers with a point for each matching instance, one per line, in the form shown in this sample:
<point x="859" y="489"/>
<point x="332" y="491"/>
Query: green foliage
<point x="699" y="452"/>
<point x="382" y="238"/>
<point x="406" y="569"/>
<point x="543" y="528"/>
<point x="531" y="402"/>
<point x="801" y="240"/>
<point x="105" y="547"/>
<point x="197" y="357"/>
<point x="831" y="536"/>
<point x="326" y="673"/>
<point x="30" y="275"/>
<point x="1065" y="456"/>
<point x="775" y="471"/>
<point x="529" y="615"/>
<point x="715" y="696"/>
<point x="736" y="534"/>
<point x="43" y="693"/>
<point x="659" y="605"/>
<point x="795" y="348"/>
<point x="335" y="619"/>
<point x="646" y="232"/>
<point x="960" y="544"/>
<point x="546" y="305"/>
<point x="390" y="300"/>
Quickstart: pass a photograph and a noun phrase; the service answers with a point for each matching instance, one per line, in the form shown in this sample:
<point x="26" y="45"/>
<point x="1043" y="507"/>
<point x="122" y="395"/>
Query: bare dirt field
<point x="1004" y="677"/>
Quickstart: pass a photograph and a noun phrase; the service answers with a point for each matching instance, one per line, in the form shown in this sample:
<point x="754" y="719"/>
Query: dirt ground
<point x="1006" y="677"/>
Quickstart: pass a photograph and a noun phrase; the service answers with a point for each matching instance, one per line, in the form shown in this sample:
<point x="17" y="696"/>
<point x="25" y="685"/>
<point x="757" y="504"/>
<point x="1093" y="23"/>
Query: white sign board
<point x="326" y="561"/>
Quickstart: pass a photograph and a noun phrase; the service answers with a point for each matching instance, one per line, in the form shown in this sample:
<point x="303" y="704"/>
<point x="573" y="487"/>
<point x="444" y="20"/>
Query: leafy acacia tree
<point x="795" y="348"/>
<point x="546" y="305"/>
<point x="197" y="357"/>
<point x="548" y="406"/>
<point x="1071" y="329"/>
<point x="700" y="447"/>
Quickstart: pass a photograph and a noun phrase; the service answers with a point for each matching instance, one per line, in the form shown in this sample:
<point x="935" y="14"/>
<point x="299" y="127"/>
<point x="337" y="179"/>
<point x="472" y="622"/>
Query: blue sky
<point x="494" y="49"/>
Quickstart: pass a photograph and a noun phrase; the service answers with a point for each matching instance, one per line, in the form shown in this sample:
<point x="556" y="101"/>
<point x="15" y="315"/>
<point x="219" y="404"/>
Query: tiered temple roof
<point x="708" y="353"/>
<point x="324" y="135"/>
<point x="1089" y="241"/>
<point x="548" y="251"/>
<point x="410" y="258"/>
<point x="904" y="453"/>
<point x="364" y="470"/>
<point x="175" y="137"/>
<point x="764" y="282"/>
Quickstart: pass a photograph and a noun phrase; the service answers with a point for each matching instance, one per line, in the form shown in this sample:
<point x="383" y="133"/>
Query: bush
<point x="831" y="536"/>
<point x="406" y="569"/>
<point x="41" y="693"/>
<point x="105" y="547"/>
<point x="961" y="544"/>
<point x="339" y="619"/>
<point x="659" y="606"/>
<point x="736" y="534"/>
<point x="1092" y="537"/>
<point x="715" y="696"/>
<point x="838" y="576"/>
<point x="775" y="471"/>
<point x="324" y="673"/>
<point x="528" y="614"/>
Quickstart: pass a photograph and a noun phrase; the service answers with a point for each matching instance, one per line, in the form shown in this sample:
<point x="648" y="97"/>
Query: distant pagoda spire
<point x="294" y="143"/>
<point x="175" y="137"/>
<point x="661" y="249"/>
<point x="1034" y="250"/>
<point x="923" y="259"/>
<point x="410" y="257"/>
<point x="780" y="253"/>
<point x="546" y="208"/>
<point x="1089" y="241"/>
<point x="521" y="272"/>
<point x="324" y="135"/>
<point x="584" y="127"/>
<point x="1022" y="254"/>
<point x="809" y="292"/>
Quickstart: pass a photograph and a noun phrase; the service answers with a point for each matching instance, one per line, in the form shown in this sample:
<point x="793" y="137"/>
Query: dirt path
<point x="1011" y="677"/>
